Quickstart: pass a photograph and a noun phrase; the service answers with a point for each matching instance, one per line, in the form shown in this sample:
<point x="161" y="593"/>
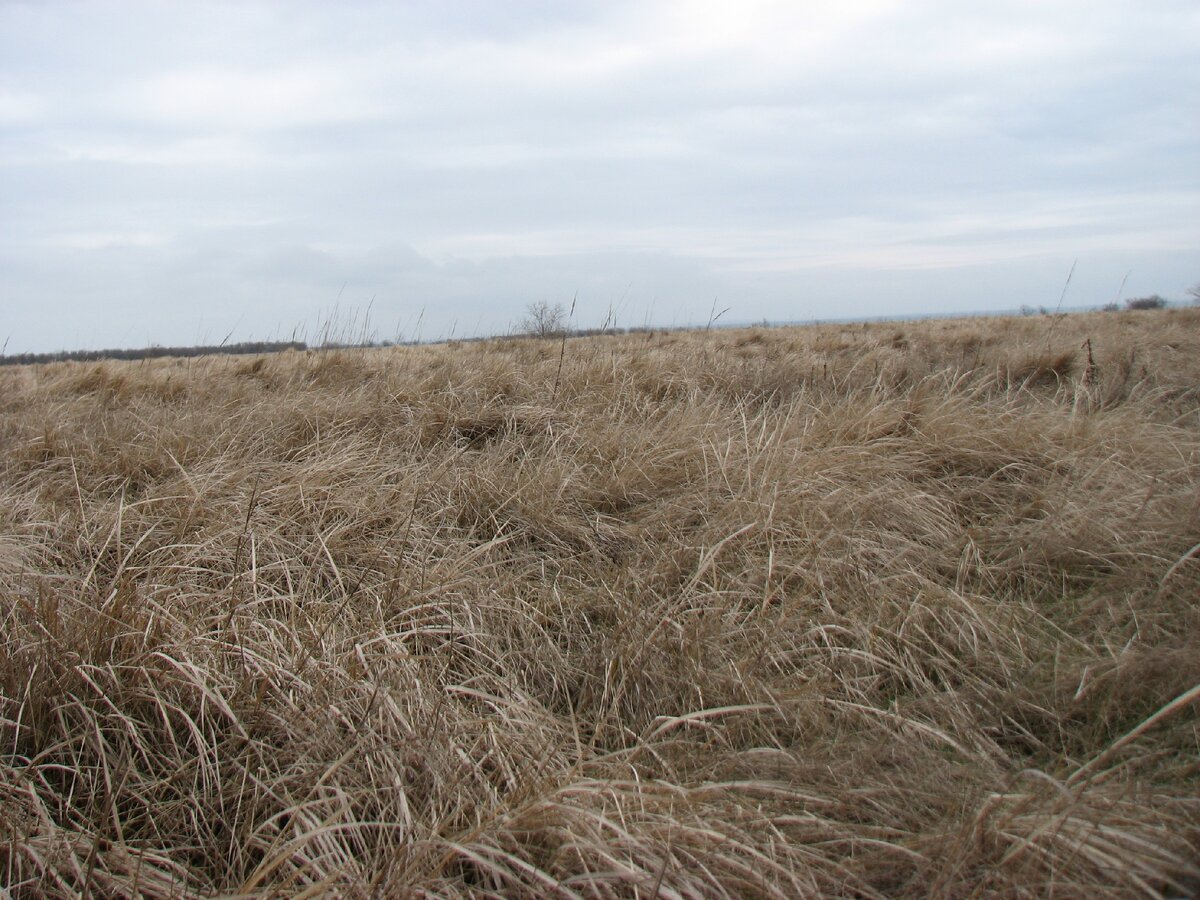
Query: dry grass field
<point x="887" y="610"/>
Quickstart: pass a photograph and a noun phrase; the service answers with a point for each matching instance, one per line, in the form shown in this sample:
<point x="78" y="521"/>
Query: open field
<point x="871" y="610"/>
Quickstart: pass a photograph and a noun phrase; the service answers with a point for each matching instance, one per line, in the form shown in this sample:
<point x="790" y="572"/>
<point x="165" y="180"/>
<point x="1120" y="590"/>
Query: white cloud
<point x="162" y="151"/>
<point x="104" y="240"/>
<point x="240" y="100"/>
<point x="19" y="108"/>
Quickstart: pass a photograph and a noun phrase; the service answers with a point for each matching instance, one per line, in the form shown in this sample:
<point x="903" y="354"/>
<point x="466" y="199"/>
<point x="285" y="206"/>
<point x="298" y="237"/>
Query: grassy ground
<point x="882" y="610"/>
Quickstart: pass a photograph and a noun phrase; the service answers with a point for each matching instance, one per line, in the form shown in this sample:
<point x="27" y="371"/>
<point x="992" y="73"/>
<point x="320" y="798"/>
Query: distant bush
<point x="544" y="320"/>
<point x="1152" y="302"/>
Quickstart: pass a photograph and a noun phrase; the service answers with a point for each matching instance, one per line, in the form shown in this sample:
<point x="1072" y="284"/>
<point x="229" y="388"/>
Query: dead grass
<point x="866" y="611"/>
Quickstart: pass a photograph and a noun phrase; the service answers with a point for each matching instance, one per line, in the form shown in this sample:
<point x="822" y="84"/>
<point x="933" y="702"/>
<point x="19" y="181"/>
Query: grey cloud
<point x="167" y="163"/>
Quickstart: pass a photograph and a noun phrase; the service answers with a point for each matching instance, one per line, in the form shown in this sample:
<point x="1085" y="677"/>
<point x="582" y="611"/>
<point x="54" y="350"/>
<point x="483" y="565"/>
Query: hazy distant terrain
<point x="866" y="610"/>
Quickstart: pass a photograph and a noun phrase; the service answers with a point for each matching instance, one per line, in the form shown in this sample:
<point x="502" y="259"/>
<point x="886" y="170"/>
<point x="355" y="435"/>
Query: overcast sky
<point x="174" y="173"/>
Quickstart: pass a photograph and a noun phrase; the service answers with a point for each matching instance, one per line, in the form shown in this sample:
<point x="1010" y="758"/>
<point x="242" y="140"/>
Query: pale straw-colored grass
<point x="870" y="611"/>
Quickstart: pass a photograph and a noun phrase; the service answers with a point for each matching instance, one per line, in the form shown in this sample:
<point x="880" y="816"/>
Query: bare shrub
<point x="1152" y="302"/>
<point x="544" y="320"/>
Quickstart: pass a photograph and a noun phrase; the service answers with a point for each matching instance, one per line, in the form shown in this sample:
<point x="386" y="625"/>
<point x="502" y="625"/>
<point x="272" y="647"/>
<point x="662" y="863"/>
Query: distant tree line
<point x="546" y="320"/>
<point x="589" y="332"/>
<point x="246" y="347"/>
<point x="542" y="320"/>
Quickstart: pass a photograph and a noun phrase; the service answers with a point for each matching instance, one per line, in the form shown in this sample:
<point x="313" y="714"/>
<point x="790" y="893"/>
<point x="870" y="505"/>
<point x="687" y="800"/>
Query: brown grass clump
<point x="835" y="611"/>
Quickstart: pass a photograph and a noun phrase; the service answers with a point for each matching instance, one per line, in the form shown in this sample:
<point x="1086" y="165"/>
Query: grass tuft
<point x="845" y="610"/>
